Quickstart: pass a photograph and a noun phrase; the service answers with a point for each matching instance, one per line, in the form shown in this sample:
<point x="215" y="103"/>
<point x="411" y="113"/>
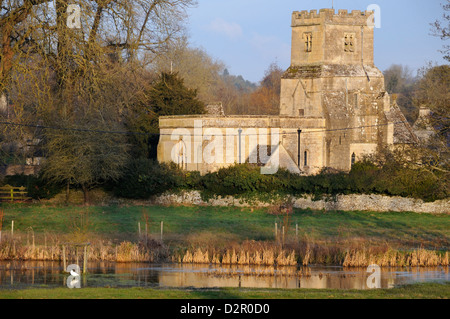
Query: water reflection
<point x="14" y="274"/>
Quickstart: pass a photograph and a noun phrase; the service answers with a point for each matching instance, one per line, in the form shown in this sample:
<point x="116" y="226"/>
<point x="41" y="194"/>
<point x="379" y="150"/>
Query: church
<point x="334" y="109"/>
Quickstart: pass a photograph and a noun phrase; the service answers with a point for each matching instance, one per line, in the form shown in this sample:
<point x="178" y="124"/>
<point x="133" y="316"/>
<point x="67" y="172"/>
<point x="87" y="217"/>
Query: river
<point x="37" y="274"/>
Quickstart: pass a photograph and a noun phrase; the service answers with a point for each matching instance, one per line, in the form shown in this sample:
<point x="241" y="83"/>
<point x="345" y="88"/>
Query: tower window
<point x="305" y="158"/>
<point x="353" y="158"/>
<point x="349" y="42"/>
<point x="308" y="41"/>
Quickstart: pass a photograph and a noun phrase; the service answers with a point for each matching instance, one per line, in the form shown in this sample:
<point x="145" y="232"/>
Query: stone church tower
<point x="333" y="107"/>
<point x="333" y="76"/>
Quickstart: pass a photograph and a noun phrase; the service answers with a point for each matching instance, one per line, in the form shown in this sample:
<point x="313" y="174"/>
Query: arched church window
<point x="181" y="154"/>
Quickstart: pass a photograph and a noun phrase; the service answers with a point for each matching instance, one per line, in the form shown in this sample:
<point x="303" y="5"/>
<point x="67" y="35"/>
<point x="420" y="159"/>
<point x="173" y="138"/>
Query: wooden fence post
<point x="12" y="237"/>
<point x="85" y="260"/>
<point x="276" y="230"/>
<point x="64" y="257"/>
<point x="76" y="252"/>
<point x="146" y="232"/>
<point x="162" y="230"/>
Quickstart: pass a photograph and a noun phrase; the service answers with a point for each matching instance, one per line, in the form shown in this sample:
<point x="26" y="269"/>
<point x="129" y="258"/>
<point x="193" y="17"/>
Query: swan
<point x="73" y="273"/>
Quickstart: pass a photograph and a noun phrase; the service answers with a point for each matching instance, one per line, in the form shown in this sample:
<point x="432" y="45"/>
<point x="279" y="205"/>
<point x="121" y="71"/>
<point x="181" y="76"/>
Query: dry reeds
<point x="394" y="258"/>
<point x="1" y="223"/>
<point x="130" y="252"/>
<point x="99" y="250"/>
<point x="198" y="257"/>
<point x="24" y="246"/>
<point x="250" y="253"/>
<point x="12" y="248"/>
<point x="307" y="252"/>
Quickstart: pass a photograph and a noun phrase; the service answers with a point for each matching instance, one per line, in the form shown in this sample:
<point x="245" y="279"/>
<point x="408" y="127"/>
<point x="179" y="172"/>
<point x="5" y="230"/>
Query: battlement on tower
<point x="327" y="37"/>
<point x="329" y="16"/>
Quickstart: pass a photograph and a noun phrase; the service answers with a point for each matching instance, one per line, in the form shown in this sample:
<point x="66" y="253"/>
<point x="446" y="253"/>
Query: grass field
<point x="417" y="291"/>
<point x="224" y="224"/>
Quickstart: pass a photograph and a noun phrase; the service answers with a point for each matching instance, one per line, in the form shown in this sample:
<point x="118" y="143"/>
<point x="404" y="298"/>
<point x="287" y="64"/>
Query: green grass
<point x="416" y="291"/>
<point x="230" y="223"/>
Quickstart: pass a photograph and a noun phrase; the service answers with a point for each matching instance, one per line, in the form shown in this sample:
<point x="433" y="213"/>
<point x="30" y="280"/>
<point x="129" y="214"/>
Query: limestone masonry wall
<point x="373" y="203"/>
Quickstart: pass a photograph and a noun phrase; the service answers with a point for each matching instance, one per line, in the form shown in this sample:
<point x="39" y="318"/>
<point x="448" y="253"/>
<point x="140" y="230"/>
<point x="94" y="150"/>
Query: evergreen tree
<point x="169" y="96"/>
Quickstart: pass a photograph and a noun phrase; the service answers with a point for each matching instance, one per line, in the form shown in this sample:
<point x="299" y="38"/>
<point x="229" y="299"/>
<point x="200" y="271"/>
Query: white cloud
<point x="231" y="29"/>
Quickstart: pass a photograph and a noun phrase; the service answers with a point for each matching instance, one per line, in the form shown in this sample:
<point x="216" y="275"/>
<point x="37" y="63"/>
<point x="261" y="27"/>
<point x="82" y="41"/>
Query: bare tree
<point x="76" y="83"/>
<point x="126" y="26"/>
<point x="441" y="28"/>
<point x="198" y="70"/>
<point x="266" y="99"/>
<point x="15" y="33"/>
<point x="433" y="92"/>
<point x="400" y="82"/>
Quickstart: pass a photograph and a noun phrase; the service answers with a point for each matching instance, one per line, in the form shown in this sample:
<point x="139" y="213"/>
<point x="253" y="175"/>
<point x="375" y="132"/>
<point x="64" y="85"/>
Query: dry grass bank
<point x="14" y="248"/>
<point x="356" y="252"/>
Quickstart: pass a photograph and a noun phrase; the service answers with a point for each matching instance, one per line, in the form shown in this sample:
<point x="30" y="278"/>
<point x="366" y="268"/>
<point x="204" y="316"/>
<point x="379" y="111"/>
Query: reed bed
<point x="99" y="250"/>
<point x="267" y="257"/>
<point x="272" y="254"/>
<point x="246" y="253"/>
<point x="307" y="252"/>
<point x="395" y="258"/>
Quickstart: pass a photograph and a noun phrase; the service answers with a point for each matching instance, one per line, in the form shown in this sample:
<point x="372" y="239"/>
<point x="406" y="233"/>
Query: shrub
<point x="143" y="178"/>
<point x="414" y="183"/>
<point x="239" y="179"/>
<point x="362" y="177"/>
<point x="192" y="180"/>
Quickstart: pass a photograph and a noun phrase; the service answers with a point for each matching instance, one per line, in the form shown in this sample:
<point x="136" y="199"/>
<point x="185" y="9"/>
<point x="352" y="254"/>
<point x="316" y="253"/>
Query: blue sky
<point x="248" y="35"/>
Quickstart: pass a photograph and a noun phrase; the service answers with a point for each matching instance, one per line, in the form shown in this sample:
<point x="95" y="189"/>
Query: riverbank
<point x="229" y="235"/>
<point x="416" y="291"/>
<point x="274" y="254"/>
<point x="205" y="224"/>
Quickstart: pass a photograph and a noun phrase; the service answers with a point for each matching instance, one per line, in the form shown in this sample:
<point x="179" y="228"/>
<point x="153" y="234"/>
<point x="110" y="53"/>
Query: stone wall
<point x="374" y="203"/>
<point x="194" y="132"/>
